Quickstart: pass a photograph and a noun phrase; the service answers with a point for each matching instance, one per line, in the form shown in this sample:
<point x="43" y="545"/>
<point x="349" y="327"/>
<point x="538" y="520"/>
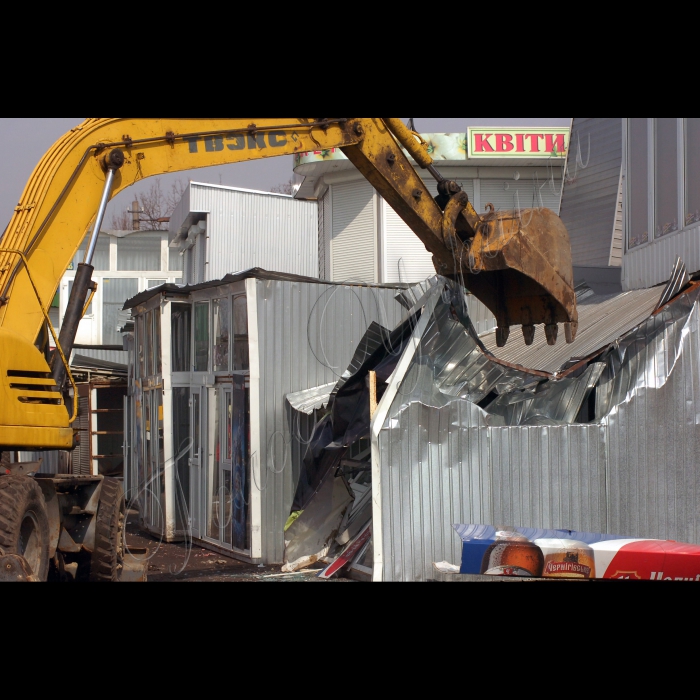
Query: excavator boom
<point x="517" y="263"/>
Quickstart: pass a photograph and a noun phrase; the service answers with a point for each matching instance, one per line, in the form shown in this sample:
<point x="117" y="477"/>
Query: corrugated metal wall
<point x="589" y="200"/>
<point x="445" y="466"/>
<point x="523" y="194"/>
<point x="652" y="264"/>
<point x="354" y="245"/>
<point x="323" y="204"/>
<point x="121" y="358"/>
<point x="405" y="257"/>
<point x="307" y="335"/>
<point x="253" y="229"/>
<point x="653" y="437"/>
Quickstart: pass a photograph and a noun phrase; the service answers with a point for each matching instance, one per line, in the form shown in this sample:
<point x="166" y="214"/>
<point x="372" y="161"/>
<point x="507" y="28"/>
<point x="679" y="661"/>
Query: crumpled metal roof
<point x="311" y="400"/>
<point x="602" y="320"/>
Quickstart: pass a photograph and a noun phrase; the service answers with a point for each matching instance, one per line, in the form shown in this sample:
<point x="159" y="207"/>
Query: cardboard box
<point x="523" y="552"/>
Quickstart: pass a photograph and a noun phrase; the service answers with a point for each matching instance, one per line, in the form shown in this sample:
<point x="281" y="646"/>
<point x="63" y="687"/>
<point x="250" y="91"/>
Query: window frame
<point x="682" y="171"/>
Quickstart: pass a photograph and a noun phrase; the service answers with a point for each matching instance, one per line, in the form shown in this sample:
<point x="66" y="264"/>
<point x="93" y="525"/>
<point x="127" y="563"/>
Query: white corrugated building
<point x="361" y="238"/>
<point x="219" y="230"/>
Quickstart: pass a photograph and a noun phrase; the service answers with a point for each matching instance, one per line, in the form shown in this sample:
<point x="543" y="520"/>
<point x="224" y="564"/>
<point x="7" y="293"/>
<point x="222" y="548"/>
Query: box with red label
<point x="567" y="554"/>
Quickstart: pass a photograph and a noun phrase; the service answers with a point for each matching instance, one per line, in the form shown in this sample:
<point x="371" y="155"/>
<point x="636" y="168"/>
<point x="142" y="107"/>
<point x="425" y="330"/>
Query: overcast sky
<point x="23" y="141"/>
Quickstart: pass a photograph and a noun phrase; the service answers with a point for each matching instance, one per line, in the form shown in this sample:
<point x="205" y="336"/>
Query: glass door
<point x="218" y="502"/>
<point x="130" y="478"/>
<point x="228" y="474"/>
<point x="240" y="462"/>
<point x="153" y="490"/>
<point x="197" y="458"/>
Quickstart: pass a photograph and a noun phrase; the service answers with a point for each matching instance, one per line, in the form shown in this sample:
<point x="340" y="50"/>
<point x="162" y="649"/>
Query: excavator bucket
<point x="518" y="264"/>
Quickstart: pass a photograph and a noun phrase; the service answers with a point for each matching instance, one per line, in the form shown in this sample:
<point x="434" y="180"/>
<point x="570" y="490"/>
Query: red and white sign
<point x="647" y="560"/>
<point x="517" y="143"/>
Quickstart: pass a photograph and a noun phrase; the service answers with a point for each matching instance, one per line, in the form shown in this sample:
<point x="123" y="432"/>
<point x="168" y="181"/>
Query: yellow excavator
<point x="72" y="527"/>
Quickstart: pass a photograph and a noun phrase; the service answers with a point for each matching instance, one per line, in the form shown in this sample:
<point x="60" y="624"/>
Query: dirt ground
<point x="187" y="563"/>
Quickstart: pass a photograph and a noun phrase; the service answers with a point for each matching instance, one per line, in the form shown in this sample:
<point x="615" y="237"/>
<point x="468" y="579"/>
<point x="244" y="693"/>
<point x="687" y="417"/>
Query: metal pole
<point x="106" y="195"/>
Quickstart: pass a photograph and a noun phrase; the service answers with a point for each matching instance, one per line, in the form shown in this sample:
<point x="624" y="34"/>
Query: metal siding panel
<point x="121" y="358"/>
<point x="654" y="440"/>
<point x="523" y="194"/>
<point x="652" y="264"/>
<point x="406" y="258"/>
<point x="353" y="234"/>
<point x="322" y="235"/>
<point x="442" y="467"/>
<point x="253" y="229"/>
<point x="589" y="199"/>
<point x="308" y="334"/>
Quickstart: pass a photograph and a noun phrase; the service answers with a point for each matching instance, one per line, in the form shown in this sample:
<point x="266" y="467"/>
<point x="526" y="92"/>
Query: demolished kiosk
<point x="211" y="453"/>
<point x="605" y="441"/>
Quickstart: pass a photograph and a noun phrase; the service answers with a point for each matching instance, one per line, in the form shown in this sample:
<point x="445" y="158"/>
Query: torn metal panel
<point x="410" y="297"/>
<point x="311" y="400"/>
<point x="679" y="280"/>
<point x="311" y="537"/>
<point x="558" y="402"/>
<point x="375" y="338"/>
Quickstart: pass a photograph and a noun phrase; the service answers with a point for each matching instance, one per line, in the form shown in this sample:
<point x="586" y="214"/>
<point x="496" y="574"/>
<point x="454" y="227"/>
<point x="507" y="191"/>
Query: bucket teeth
<point x="502" y="335"/>
<point x="551" y="331"/>
<point x="529" y="334"/>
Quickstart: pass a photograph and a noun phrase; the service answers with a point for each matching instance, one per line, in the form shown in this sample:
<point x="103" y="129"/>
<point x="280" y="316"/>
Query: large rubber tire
<point x="24" y="522"/>
<point x="107" y="559"/>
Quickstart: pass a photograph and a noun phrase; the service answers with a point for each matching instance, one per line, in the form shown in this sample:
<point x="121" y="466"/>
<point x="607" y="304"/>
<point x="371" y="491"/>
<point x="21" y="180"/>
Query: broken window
<point x="201" y="337"/>
<point x="638" y="181"/>
<point x="213" y="488"/>
<point x="154" y="363"/>
<point x="114" y="293"/>
<point x="141" y="346"/>
<point x="181" y="446"/>
<point x="222" y="324"/>
<point x="157" y="355"/>
<point x="241" y="356"/>
<point x="181" y="336"/>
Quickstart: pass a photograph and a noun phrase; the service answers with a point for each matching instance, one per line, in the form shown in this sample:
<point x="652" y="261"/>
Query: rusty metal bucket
<point x="519" y="265"/>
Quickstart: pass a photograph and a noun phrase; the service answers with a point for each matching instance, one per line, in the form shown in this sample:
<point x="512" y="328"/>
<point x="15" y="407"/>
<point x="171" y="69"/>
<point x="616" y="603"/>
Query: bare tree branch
<point x="121" y="222"/>
<point x="284" y="187"/>
<point x="156" y="207"/>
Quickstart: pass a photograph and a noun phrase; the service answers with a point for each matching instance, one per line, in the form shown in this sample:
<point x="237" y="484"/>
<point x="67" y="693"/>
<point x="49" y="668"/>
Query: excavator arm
<point x="517" y="263"/>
